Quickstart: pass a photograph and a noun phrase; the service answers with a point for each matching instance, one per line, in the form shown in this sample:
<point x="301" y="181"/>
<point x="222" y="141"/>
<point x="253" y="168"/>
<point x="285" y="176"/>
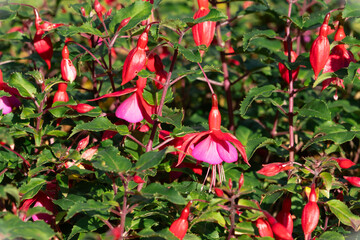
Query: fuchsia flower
<point x="310" y="215"/>
<point x="213" y="146"/>
<point x="264" y="228"/>
<point x="355" y="181"/>
<point x="339" y="58"/>
<point x="344" y="162"/>
<point x="8" y="103"/>
<point x="68" y="70"/>
<point x="274" y="168"/>
<point x="134" y="109"/>
<point x="278" y="229"/>
<point x="284" y="216"/>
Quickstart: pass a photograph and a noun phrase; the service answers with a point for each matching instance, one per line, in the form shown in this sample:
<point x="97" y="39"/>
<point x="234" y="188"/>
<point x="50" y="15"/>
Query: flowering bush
<point x="179" y="120"/>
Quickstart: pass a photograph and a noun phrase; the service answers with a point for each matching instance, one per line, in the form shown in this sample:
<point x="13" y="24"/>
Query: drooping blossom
<point x="264" y="228"/>
<point x="7" y="103"/>
<point x="61" y="94"/>
<point x="203" y="33"/>
<point x="284" y="72"/>
<point x="339" y="58"/>
<point x="278" y="229"/>
<point x="310" y="214"/>
<point x="179" y="226"/>
<point x="284" y="216"/>
<point x="68" y="70"/>
<point x="213" y="146"/>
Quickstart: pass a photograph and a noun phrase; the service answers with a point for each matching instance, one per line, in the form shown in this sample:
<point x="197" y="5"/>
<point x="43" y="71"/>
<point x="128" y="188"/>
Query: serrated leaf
<point x="248" y="37"/>
<point x="96" y="125"/>
<point x="164" y="234"/>
<point x="26" y="88"/>
<point x="253" y="144"/>
<point x="316" y="108"/>
<point x="254" y="94"/>
<point x="30" y="189"/>
<point x="168" y="193"/>
<point x="351" y="73"/>
<point x="110" y="160"/>
<point x="93" y="208"/>
<point x="188" y="54"/>
<point x="352" y="9"/>
<point x="323" y="77"/>
<point x="37" y="76"/>
<point x="85" y="224"/>
<point x="138" y="11"/>
<point x="87" y="27"/>
<point x="173" y="117"/>
<point x="330" y="235"/>
<point x="211" y="217"/>
<point x="149" y="160"/>
<point x="337" y="137"/>
<point x="343" y="213"/>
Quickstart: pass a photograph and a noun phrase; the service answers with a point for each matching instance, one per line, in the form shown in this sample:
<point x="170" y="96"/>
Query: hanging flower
<point x="61" y="94"/>
<point x="278" y="229"/>
<point x="355" y="181"/>
<point x="8" y="103"/>
<point x="213" y="146"/>
<point x="68" y="70"/>
<point x="180" y="226"/>
<point x="272" y="169"/>
<point x="284" y="72"/>
<point x="310" y="215"/>
<point x="344" y="162"/>
<point x="264" y="228"/>
<point x="284" y="216"/>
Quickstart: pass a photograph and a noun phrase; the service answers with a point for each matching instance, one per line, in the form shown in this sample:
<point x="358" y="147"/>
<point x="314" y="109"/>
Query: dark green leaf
<point x="168" y="193"/>
<point x="352" y="9"/>
<point x="316" y="108"/>
<point x="256" y="143"/>
<point x="26" y="88"/>
<point x="188" y="54"/>
<point x="149" y="160"/>
<point x="337" y="137"/>
<point x="163" y="234"/>
<point x="11" y="36"/>
<point x="85" y="224"/>
<point x="110" y="160"/>
<point x="214" y="15"/>
<point x="343" y="213"/>
<point x="93" y="208"/>
<point x="32" y="187"/>
<point x="172" y="116"/>
<point x="254" y="94"/>
<point x="85" y="28"/>
<point x="96" y="125"/>
<point x="37" y="76"/>
<point x="211" y="216"/>
<point x="248" y="37"/>
<point x="330" y="235"/>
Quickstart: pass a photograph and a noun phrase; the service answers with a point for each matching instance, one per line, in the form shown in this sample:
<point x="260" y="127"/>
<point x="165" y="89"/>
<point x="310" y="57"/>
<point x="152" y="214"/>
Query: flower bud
<point x="179" y="227"/>
<point x="344" y="162"/>
<point x="61" y="94"/>
<point x="68" y="70"/>
<point x="241" y="181"/>
<point x="284" y="216"/>
<point x="82" y="107"/>
<point x="278" y="229"/>
<point x="264" y="228"/>
<point x="355" y="181"/>
<point x="83" y="143"/>
<point x="310" y="215"/>
<point x="274" y="168"/>
<point x="219" y="192"/>
<point x="138" y="179"/>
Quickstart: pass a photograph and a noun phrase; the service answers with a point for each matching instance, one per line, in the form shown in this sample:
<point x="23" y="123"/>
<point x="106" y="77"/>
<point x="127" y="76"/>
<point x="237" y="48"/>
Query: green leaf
<point x="316" y="108"/>
<point x="172" y="116"/>
<point x="168" y="193"/>
<point x="149" y="160"/>
<point x="343" y="213"/>
<point x="74" y="30"/>
<point x="211" y="216"/>
<point x="85" y="224"/>
<point x="97" y="125"/>
<point x="330" y="235"/>
<point x="91" y="207"/>
<point x="188" y="54"/>
<point x="6" y="14"/>
<point x="248" y="37"/>
<point x="30" y="189"/>
<point x="254" y="94"/>
<point x="3" y="93"/>
<point x="352" y="9"/>
<point x="138" y="11"/>
<point x="253" y="144"/>
<point x="323" y="77"/>
<point x="37" y="210"/>
<point x="327" y="180"/>
<point x="12" y="36"/>
<point x="214" y="15"/>
<point x="164" y="234"/>
<point x="26" y="88"/>
<point x="351" y="72"/>
<point x="37" y="76"/>
<point x="337" y="137"/>
<point x="110" y="160"/>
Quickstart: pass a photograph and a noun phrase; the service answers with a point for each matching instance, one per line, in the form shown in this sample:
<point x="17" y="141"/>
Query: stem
<point x="291" y="90"/>
<point x="17" y="154"/>
<point x="124" y="207"/>
<point x="207" y="80"/>
<point x="88" y="51"/>
<point x="232" y="217"/>
<point x="135" y="140"/>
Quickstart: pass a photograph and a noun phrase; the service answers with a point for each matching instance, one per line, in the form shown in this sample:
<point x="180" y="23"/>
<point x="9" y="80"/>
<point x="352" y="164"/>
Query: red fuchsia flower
<point x="68" y="70"/>
<point x="264" y="228"/>
<point x="61" y="94"/>
<point x="284" y="72"/>
<point x="134" y="109"/>
<point x="41" y="199"/>
<point x="99" y="9"/>
<point x="219" y="192"/>
<point x="274" y="168"/>
<point x="8" y="103"/>
<point x="284" y="216"/>
<point x="43" y="46"/>
<point x="320" y="49"/>
<point x="154" y="64"/>
<point x="82" y="107"/>
<point x="278" y="229"/>
<point x="203" y="33"/>
<point x="138" y="179"/>
<point x="180" y="226"/>
<point x="339" y="58"/>
<point x="213" y="146"/>
<point x="310" y="215"/>
<point x="355" y="181"/>
<point x="136" y="59"/>
<point x="44" y="25"/>
<point x="344" y="162"/>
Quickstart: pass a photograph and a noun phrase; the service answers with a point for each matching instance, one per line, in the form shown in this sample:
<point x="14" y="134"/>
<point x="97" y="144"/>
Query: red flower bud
<point x="278" y="229"/>
<point x="108" y="134"/>
<point x="136" y="59"/>
<point x="83" y="12"/>
<point x="68" y="70"/>
<point x="284" y="72"/>
<point x="219" y="192"/>
<point x="179" y="227"/>
<point x="150" y="63"/>
<point x="214" y="116"/>
<point x="203" y="33"/>
<point x="241" y="181"/>
<point x="230" y="183"/>
<point x="83" y="143"/>
<point x="123" y="23"/>
<point x="344" y="162"/>
<point x="264" y="228"/>
<point x="43" y="47"/>
<point x="320" y="49"/>
<point x="284" y="216"/>
<point x="274" y="168"/>
<point x="355" y="181"/>
<point x="98" y="9"/>
<point x="310" y="215"/>
<point x="61" y="95"/>
<point x="138" y="179"/>
<point x="82" y="107"/>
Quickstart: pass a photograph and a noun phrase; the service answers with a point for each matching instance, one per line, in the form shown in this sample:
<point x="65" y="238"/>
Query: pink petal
<point x="206" y="151"/>
<point x="129" y="110"/>
<point x="227" y="152"/>
<point x="5" y="105"/>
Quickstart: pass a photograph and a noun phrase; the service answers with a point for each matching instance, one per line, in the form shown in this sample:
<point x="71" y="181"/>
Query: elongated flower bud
<point x="203" y="33"/>
<point x="179" y="227"/>
<point x="219" y="192"/>
<point x="61" y="95"/>
<point x="274" y="168"/>
<point x="344" y="162"/>
<point x="241" y="181"/>
<point x="284" y="216"/>
<point x="284" y="72"/>
<point x="310" y="215"/>
<point x="138" y="179"/>
<point x="68" y="70"/>
<point x="355" y="181"/>
<point x="98" y="9"/>
<point x="136" y="59"/>
<point x="278" y="229"/>
<point x="83" y="143"/>
<point x="214" y="116"/>
<point x="82" y="107"/>
<point x="264" y="228"/>
<point x="320" y="49"/>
